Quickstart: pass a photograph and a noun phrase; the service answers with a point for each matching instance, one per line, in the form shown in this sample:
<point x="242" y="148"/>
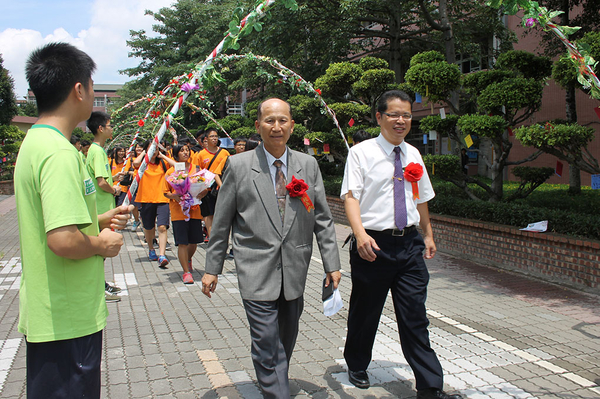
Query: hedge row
<point x="518" y="215"/>
<point x="553" y="204"/>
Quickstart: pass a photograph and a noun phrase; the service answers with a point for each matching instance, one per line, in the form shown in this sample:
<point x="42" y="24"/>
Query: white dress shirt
<point x="273" y="168"/>
<point x="369" y="175"/>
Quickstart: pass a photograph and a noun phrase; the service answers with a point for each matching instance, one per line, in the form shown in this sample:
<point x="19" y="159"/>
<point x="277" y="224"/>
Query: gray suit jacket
<point x="269" y="256"/>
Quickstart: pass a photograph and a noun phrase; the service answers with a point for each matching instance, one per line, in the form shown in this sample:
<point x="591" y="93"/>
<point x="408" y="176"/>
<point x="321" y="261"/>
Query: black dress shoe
<point x="360" y="379"/>
<point x="434" y="393"/>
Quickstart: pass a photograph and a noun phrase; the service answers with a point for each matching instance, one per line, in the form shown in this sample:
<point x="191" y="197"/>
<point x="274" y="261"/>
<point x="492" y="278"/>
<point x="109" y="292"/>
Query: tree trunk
<point x="571" y="111"/>
<point x="497" y="174"/>
<point x="395" y="59"/>
<point x="574" y="180"/>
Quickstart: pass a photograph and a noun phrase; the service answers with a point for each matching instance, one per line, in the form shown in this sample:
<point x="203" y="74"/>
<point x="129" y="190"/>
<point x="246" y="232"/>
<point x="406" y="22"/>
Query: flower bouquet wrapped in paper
<point x="180" y="183"/>
<point x="199" y="182"/>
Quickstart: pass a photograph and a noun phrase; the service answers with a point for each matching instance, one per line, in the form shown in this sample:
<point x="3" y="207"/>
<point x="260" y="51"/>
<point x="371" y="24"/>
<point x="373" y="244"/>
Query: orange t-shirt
<point x="204" y="157"/>
<point x="116" y="168"/>
<point x="174" y="207"/>
<point x="151" y="185"/>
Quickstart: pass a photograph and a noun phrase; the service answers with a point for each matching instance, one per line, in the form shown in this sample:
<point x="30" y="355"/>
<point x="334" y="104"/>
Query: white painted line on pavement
<point x="11" y="266"/>
<point x="584" y="382"/>
<point x="8" y="352"/>
<point x="526" y="355"/>
<point x="124" y="280"/>
<point x="552" y="367"/>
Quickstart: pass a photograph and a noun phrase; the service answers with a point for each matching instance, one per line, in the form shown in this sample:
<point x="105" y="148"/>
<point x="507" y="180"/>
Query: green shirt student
<point x="69" y="301"/>
<point x="98" y="166"/>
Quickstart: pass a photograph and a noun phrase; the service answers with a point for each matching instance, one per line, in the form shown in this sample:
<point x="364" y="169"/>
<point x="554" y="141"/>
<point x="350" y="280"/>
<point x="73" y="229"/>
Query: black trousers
<point x="399" y="267"/>
<point x="273" y="330"/>
<point x="65" y="369"/>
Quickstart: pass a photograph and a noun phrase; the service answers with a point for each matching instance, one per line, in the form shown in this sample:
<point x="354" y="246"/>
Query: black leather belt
<point x="393" y="232"/>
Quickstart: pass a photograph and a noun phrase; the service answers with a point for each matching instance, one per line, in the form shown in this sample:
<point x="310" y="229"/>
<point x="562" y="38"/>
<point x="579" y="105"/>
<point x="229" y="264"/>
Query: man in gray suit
<point x="272" y="236"/>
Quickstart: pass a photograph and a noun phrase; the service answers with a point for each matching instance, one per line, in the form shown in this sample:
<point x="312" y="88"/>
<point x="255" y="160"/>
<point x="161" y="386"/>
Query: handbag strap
<point x="214" y="157"/>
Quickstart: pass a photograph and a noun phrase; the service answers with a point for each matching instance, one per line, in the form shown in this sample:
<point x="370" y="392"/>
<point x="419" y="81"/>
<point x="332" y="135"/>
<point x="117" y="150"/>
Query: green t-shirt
<point x="59" y="298"/>
<point x="97" y="164"/>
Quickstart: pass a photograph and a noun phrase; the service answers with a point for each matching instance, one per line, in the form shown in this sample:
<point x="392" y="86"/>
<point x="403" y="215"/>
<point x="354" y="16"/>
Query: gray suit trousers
<point x="273" y="330"/>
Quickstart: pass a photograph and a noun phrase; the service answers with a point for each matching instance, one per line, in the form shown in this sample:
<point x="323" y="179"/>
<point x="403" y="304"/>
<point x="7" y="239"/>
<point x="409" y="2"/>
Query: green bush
<point x="566" y="214"/>
<point x="434" y="79"/>
<point x="427" y="56"/>
<point x="333" y="185"/>
<point x="518" y="215"/>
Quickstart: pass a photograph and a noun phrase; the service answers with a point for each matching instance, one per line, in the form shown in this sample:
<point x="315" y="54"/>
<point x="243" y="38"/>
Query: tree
<point x="187" y="32"/>
<point x="587" y="19"/>
<point x="564" y="72"/>
<point x="566" y="141"/>
<point x="28" y="109"/>
<point x="312" y="37"/>
<point x="11" y="138"/>
<point x="8" y="102"/>
<point x="496" y="99"/>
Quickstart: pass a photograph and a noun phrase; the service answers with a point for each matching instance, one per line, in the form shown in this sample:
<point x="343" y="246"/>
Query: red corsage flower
<point x="413" y="173"/>
<point x="140" y="123"/>
<point x="297" y="188"/>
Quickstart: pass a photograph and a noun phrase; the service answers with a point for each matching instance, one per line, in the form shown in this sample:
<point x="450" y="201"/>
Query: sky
<point x="98" y="27"/>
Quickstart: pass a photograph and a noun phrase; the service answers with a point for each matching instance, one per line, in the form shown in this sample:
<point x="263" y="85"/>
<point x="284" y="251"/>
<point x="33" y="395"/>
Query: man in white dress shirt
<point x="386" y="252"/>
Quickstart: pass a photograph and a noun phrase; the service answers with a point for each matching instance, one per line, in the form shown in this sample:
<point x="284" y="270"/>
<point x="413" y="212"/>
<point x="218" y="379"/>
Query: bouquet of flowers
<point x="180" y="183"/>
<point x="199" y="182"/>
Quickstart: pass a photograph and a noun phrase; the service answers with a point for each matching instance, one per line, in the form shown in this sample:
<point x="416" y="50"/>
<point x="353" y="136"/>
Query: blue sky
<point x="98" y="27"/>
<point x="74" y="16"/>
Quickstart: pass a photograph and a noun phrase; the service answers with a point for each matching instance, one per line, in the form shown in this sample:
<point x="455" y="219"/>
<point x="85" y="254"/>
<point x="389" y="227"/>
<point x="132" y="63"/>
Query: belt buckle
<point x="398" y="233"/>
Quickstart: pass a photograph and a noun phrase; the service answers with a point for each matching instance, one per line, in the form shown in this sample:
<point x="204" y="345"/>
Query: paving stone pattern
<point x="498" y="335"/>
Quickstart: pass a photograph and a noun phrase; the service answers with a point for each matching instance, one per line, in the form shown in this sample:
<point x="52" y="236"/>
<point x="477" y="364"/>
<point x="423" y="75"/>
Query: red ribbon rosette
<point x="297" y="188"/>
<point x="413" y="173"/>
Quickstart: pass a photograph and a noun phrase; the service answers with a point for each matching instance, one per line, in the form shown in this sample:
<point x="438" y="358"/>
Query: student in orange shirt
<point x="188" y="234"/>
<point x="155" y="207"/>
<point x="213" y="158"/>
<point x="132" y="171"/>
<point x="116" y="163"/>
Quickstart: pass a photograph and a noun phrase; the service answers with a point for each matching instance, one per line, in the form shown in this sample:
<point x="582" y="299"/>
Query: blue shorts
<point x="189" y="232"/>
<point x="64" y="369"/>
<point x="154" y="214"/>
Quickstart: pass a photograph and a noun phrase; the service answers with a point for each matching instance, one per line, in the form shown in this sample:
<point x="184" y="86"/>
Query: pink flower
<point x="187" y="87"/>
<point x="530" y="22"/>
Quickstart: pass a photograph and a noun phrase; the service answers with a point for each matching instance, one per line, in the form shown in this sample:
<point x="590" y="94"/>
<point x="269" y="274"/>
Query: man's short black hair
<point x="75" y="139"/>
<point x="256" y="137"/>
<point x="184" y="141"/>
<point x="259" y="109"/>
<point x="85" y="143"/>
<point x="239" y="140"/>
<point x="97" y="119"/>
<point x="209" y="130"/>
<point x="360" y="135"/>
<point x="53" y="70"/>
<point x="382" y="103"/>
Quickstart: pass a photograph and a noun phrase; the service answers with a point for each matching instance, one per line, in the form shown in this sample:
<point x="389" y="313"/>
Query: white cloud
<point x="104" y="40"/>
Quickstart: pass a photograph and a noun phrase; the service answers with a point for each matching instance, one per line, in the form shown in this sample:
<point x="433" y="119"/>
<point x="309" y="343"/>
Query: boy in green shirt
<point x="63" y="240"/>
<point x="97" y="162"/>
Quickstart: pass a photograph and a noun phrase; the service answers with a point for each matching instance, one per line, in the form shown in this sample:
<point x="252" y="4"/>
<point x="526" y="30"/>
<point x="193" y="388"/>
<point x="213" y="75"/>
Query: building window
<point x="468" y="63"/>
<point x="235" y="109"/>
<point x="99" y="102"/>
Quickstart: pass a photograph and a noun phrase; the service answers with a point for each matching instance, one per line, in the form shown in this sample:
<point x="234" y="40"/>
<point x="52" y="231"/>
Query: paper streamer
<point x="193" y="80"/>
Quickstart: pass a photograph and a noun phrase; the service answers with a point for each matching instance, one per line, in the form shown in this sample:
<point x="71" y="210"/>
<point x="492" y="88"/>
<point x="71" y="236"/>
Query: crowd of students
<point x="156" y="202"/>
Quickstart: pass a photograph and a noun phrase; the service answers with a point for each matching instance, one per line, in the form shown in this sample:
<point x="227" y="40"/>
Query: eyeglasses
<point x="395" y="117"/>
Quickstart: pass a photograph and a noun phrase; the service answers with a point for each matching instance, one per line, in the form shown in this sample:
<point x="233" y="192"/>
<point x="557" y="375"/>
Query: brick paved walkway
<point x="498" y="335"/>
